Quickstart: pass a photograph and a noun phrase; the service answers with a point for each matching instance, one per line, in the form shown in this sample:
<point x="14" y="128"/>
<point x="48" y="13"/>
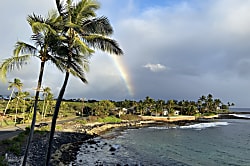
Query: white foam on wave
<point x="200" y="126"/>
<point x="162" y="127"/>
<point x="241" y="115"/>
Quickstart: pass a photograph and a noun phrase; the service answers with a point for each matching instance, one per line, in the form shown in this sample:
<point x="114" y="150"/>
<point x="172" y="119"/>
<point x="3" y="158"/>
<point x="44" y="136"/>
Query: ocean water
<point x="239" y="109"/>
<point x="217" y="143"/>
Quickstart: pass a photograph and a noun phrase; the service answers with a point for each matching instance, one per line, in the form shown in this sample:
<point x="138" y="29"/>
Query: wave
<point x="197" y="126"/>
<point x="200" y="126"/>
<point x="247" y="116"/>
<point x="162" y="127"/>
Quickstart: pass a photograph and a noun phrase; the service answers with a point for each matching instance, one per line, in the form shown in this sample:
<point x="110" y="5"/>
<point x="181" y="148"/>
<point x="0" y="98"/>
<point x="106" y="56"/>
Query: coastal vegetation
<point x="93" y="109"/>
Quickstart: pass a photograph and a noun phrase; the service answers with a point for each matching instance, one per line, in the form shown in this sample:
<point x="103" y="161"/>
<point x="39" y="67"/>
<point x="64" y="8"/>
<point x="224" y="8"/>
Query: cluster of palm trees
<point x="23" y="101"/>
<point x="67" y="37"/>
<point x="149" y="106"/>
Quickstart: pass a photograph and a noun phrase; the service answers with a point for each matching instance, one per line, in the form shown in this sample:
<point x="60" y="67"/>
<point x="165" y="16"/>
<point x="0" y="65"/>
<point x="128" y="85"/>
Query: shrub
<point x="109" y="119"/>
<point x="82" y="121"/>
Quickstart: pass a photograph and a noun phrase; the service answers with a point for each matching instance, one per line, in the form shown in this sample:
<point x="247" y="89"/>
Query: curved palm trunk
<point x="8" y="102"/>
<point x="34" y="113"/>
<point x="53" y="123"/>
<point x="7" y="107"/>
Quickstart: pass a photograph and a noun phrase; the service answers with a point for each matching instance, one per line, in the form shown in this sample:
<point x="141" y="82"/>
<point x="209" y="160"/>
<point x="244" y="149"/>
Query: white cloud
<point x="155" y="67"/>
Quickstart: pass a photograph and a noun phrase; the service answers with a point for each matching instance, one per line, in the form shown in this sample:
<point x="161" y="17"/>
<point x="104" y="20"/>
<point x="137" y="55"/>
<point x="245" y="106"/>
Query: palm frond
<point x="12" y="63"/>
<point x="84" y="9"/>
<point x="35" y="18"/>
<point x="24" y="48"/>
<point x="103" y="43"/>
<point x="78" y="71"/>
<point x="40" y="24"/>
<point x="81" y="47"/>
<point x="100" y="25"/>
<point x="60" y="62"/>
<point x="39" y="39"/>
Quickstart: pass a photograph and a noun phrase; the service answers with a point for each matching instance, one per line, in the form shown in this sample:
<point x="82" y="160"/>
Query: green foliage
<point x="109" y="119"/>
<point x="2" y="161"/>
<point x="60" y="128"/>
<point x="14" y="145"/>
<point x="15" y="148"/>
<point x="82" y="121"/>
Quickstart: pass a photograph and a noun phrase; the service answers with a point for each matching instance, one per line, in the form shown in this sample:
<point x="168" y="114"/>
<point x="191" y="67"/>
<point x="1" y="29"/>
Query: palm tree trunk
<point x="32" y="127"/>
<point x="16" y="110"/>
<point x="45" y="111"/>
<point x="8" y="102"/>
<point x="53" y="123"/>
<point x="7" y="107"/>
<point x="44" y="101"/>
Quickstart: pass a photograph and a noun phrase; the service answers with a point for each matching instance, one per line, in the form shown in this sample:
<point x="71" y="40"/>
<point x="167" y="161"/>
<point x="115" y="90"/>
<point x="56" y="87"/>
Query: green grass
<point x="14" y="145"/>
<point x="109" y="119"/>
<point x="82" y="121"/>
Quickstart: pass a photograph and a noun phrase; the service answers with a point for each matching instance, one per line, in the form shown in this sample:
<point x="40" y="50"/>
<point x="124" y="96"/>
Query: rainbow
<point x="123" y="73"/>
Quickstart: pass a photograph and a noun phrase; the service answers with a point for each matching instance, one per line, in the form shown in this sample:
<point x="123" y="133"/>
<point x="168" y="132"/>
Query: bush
<point x="15" y="148"/>
<point x="3" y="161"/>
<point x="82" y="121"/>
<point x="109" y="119"/>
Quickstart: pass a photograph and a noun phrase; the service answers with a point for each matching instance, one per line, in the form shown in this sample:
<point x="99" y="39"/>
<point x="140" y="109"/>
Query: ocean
<point x="216" y="143"/>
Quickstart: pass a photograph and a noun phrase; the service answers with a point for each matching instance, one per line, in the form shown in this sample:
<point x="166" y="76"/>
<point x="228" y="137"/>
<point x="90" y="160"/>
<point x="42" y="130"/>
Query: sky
<point x="173" y="49"/>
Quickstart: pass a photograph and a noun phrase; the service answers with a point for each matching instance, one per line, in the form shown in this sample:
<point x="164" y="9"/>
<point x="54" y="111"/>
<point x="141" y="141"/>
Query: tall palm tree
<point x="82" y="31"/>
<point x="43" y="37"/>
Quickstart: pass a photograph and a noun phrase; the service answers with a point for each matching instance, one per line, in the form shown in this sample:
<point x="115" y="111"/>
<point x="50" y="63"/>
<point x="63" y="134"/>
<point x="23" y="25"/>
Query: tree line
<point x="205" y="105"/>
<point x="21" y="104"/>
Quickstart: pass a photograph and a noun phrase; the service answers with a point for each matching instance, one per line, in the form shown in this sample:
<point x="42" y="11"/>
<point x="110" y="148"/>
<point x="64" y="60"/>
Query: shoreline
<point x="68" y="141"/>
<point x="99" y="129"/>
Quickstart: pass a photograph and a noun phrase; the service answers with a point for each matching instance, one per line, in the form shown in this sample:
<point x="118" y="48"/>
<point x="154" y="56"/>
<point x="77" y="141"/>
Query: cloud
<point x="155" y="67"/>
<point x="204" y="43"/>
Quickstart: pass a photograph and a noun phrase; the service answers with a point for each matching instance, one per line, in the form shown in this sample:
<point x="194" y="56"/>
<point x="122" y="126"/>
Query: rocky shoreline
<point x="67" y="142"/>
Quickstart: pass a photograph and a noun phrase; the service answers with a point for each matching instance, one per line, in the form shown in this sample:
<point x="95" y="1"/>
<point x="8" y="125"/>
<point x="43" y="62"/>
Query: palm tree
<point x="12" y="85"/>
<point x="22" y="97"/>
<point x="46" y="94"/>
<point x="81" y="30"/>
<point x="19" y="98"/>
<point x="170" y="106"/>
<point x="159" y="106"/>
<point x="43" y="37"/>
<point x="217" y="103"/>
